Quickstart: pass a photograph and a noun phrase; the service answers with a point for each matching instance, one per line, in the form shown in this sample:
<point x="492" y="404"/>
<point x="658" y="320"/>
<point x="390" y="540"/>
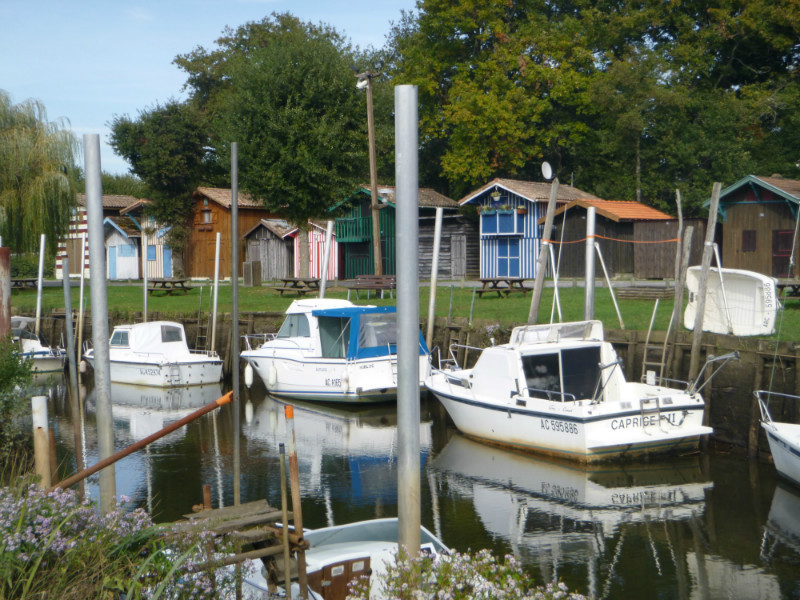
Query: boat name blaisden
<point x="647" y="421"/>
<point x="556" y="425"/>
<point x="149" y="371"/>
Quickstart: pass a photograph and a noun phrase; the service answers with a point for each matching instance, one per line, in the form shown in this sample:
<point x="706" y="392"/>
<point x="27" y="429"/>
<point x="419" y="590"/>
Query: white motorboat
<point x="783" y="438"/>
<point x="156" y="354"/>
<point x="338" y="554"/>
<point x="334" y="351"/>
<point x="738" y="302"/>
<point x="35" y="348"/>
<point x="559" y="390"/>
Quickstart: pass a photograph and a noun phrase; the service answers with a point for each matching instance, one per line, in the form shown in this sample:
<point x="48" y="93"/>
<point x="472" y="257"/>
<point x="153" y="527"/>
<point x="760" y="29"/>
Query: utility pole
<point x="365" y="80"/>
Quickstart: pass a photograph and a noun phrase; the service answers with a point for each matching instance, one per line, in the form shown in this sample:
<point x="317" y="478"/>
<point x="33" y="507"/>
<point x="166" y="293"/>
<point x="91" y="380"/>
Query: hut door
<point x="458" y="256"/>
<point x="781" y="252"/>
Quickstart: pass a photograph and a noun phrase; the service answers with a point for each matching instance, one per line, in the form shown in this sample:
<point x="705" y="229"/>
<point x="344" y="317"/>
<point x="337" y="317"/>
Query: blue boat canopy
<point x="356" y="332"/>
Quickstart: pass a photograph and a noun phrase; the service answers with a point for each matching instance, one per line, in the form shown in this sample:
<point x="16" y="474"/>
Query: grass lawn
<point x="514" y="309"/>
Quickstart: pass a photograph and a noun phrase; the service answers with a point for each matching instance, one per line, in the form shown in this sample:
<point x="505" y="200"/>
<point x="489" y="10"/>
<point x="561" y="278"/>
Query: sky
<point x="88" y="61"/>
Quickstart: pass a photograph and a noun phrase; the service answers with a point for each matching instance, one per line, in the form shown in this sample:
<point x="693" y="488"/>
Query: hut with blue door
<point x="508" y="213"/>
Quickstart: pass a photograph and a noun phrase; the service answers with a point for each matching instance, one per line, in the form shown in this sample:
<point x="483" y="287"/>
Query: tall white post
<point x="235" y="320"/>
<point x="588" y="307"/>
<point x="39" y="286"/>
<point x="216" y="294"/>
<point x="80" y="295"/>
<point x="326" y="261"/>
<point x="144" y="270"/>
<point x="102" y="366"/>
<point x="437" y="241"/>
<point x="407" y="177"/>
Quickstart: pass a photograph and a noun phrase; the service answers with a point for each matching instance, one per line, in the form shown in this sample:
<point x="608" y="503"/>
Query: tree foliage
<point x="37" y="188"/>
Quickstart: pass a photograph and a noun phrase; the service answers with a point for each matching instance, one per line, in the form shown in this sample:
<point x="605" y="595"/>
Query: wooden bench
<point x="371" y="282"/>
<point x="299" y="285"/>
<point x="503" y="286"/>
<point x="169" y="285"/>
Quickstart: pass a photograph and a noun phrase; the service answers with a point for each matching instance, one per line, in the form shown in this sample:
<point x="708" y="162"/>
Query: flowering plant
<point x="456" y="576"/>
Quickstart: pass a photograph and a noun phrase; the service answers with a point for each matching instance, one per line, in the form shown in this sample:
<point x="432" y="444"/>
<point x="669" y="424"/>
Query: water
<point x="702" y="527"/>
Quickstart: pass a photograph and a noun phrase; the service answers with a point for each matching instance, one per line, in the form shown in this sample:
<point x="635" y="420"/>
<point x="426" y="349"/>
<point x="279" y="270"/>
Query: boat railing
<point x="664" y="381"/>
<point x="551" y="395"/>
<point x="764" y="396"/>
<point x="601" y="384"/>
<point x="209" y="353"/>
<point x="253" y="341"/>
<point x="725" y="358"/>
<point x="453" y="347"/>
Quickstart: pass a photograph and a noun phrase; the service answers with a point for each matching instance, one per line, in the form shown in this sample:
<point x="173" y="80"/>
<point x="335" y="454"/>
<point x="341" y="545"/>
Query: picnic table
<point x="23" y="282"/>
<point x="169" y="285"/>
<point x="502" y="285"/>
<point x="298" y="285"/>
<point x="370" y="282"/>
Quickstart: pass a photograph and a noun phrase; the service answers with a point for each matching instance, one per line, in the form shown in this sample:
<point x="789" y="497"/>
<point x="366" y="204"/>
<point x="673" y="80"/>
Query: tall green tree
<point x="284" y="91"/>
<point x="37" y="189"/>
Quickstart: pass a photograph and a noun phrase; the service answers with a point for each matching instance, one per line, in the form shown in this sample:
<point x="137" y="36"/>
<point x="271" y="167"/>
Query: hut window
<point x="749" y="240"/>
<point x="207" y="216"/>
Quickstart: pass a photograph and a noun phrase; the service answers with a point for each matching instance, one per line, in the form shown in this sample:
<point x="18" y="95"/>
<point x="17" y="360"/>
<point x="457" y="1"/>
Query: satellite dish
<point x="362" y="83"/>
<point x="547" y="170"/>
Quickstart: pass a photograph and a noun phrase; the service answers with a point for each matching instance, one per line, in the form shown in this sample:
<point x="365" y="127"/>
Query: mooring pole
<point x="71" y="360"/>
<point x="5" y="291"/>
<point x="285" y="520"/>
<point x="708" y="248"/>
<point x="327" y="259"/>
<point x="41" y="440"/>
<point x="144" y="272"/>
<point x="40" y="283"/>
<point x="80" y="295"/>
<point x="237" y="470"/>
<point x="102" y="365"/>
<point x="407" y="177"/>
<point x="437" y="242"/>
<point x="297" y="508"/>
<point x="216" y="293"/>
<point x="541" y="263"/>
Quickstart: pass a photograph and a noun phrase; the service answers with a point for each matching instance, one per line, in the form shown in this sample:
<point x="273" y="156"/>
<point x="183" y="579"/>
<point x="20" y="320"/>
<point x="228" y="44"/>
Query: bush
<point x="16" y="448"/>
<point x="52" y="545"/>
<point x="456" y="576"/>
<point x="27" y="265"/>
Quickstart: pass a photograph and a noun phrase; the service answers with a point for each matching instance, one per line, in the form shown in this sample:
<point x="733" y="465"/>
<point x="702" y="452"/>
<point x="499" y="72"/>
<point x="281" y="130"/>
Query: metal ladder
<point x="655" y="355"/>
<point x="174" y="374"/>
<point x="650" y="406"/>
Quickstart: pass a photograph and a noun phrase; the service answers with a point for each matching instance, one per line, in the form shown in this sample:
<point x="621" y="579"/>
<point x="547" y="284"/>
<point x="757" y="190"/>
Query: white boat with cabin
<point x="341" y="553"/>
<point x="738" y="302"/>
<point x="156" y="354"/>
<point x="559" y="390"/>
<point x="333" y="351"/>
<point x="35" y="348"/>
<point x="783" y="438"/>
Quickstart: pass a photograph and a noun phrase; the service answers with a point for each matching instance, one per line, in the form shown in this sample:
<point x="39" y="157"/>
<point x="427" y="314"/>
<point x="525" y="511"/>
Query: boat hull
<point x="784" y="444"/>
<point x="581" y="432"/>
<point x="45" y="362"/>
<point x="329" y="380"/>
<point x="180" y="373"/>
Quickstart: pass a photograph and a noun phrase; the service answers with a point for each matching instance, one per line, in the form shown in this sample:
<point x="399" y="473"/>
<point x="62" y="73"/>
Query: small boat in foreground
<point x="333" y="351"/>
<point x="156" y="354"/>
<point x="738" y="302"/>
<point x="783" y="438"/>
<point x="341" y="553"/>
<point x="559" y="390"/>
<point x="35" y="348"/>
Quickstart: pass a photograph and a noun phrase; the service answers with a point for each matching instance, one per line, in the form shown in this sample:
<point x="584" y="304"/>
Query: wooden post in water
<point x="41" y="440"/>
<point x="5" y="291"/>
<point x="39" y="284"/>
<point x="682" y="263"/>
<point x="437" y="240"/>
<point x="708" y="248"/>
<point x="285" y="521"/>
<point x="541" y="264"/>
<point x="297" y="509"/>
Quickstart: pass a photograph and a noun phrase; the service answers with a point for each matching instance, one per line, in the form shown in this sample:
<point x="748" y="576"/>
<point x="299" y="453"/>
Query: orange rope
<point x="603" y="237"/>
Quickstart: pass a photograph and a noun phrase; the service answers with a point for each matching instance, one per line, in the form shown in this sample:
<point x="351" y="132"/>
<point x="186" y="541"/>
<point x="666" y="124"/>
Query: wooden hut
<point x="760" y="217"/>
<point x="457" y="252"/>
<point x="270" y="242"/>
<point x="212" y="215"/>
<point x="509" y="235"/>
<point x="159" y="254"/>
<point x="634" y="239"/>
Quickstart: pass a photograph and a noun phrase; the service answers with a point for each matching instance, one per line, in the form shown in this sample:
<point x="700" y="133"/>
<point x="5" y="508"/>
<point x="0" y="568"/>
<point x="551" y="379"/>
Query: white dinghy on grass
<point x="559" y="390"/>
<point x="738" y="302"/>
<point x="156" y="354"/>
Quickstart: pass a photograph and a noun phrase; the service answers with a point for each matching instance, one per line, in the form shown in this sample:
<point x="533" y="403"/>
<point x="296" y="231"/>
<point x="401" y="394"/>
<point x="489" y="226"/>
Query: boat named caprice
<point x="156" y="354"/>
<point x="333" y="351"/>
<point x="559" y="390"/>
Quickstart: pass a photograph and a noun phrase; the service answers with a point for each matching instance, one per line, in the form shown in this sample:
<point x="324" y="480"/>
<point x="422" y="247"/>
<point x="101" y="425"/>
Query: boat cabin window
<point x="295" y="326"/>
<point x="378" y="330"/>
<point x="119" y="338"/>
<point x="171" y="333"/>
<point x="334" y="336"/>
<point x="570" y="374"/>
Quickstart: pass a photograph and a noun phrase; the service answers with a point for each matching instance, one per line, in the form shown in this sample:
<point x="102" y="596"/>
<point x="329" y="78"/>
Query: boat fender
<point x="82" y="366"/>
<point x="272" y="375"/>
<point x="248" y="375"/>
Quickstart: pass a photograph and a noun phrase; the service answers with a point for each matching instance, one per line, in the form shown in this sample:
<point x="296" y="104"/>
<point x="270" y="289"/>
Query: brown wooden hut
<point x="212" y="214"/>
<point x="618" y="225"/>
<point x="760" y="216"/>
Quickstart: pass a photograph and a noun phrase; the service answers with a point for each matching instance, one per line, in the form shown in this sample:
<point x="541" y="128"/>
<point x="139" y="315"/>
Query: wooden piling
<point x="755" y="412"/>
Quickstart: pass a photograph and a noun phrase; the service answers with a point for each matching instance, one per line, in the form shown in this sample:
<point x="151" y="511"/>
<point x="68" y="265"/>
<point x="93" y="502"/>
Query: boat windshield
<point x="119" y="339"/>
<point x="378" y="329"/>
<point x="295" y="325"/>
<point x="170" y="333"/>
<point x="334" y="336"/>
<point x="569" y="374"/>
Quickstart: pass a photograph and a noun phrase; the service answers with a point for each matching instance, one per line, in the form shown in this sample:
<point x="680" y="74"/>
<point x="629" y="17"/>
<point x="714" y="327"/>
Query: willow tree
<point x="37" y="189"/>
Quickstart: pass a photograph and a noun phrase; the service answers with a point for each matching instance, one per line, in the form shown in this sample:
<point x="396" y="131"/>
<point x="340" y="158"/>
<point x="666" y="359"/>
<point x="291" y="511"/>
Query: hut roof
<point x="618" y="210"/>
<point x="530" y="190"/>
<point x="224" y="197"/>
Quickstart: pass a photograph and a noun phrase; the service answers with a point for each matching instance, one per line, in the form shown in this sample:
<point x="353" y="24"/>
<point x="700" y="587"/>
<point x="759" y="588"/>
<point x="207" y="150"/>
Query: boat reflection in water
<point x="575" y="518"/>
<point x="345" y="453"/>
